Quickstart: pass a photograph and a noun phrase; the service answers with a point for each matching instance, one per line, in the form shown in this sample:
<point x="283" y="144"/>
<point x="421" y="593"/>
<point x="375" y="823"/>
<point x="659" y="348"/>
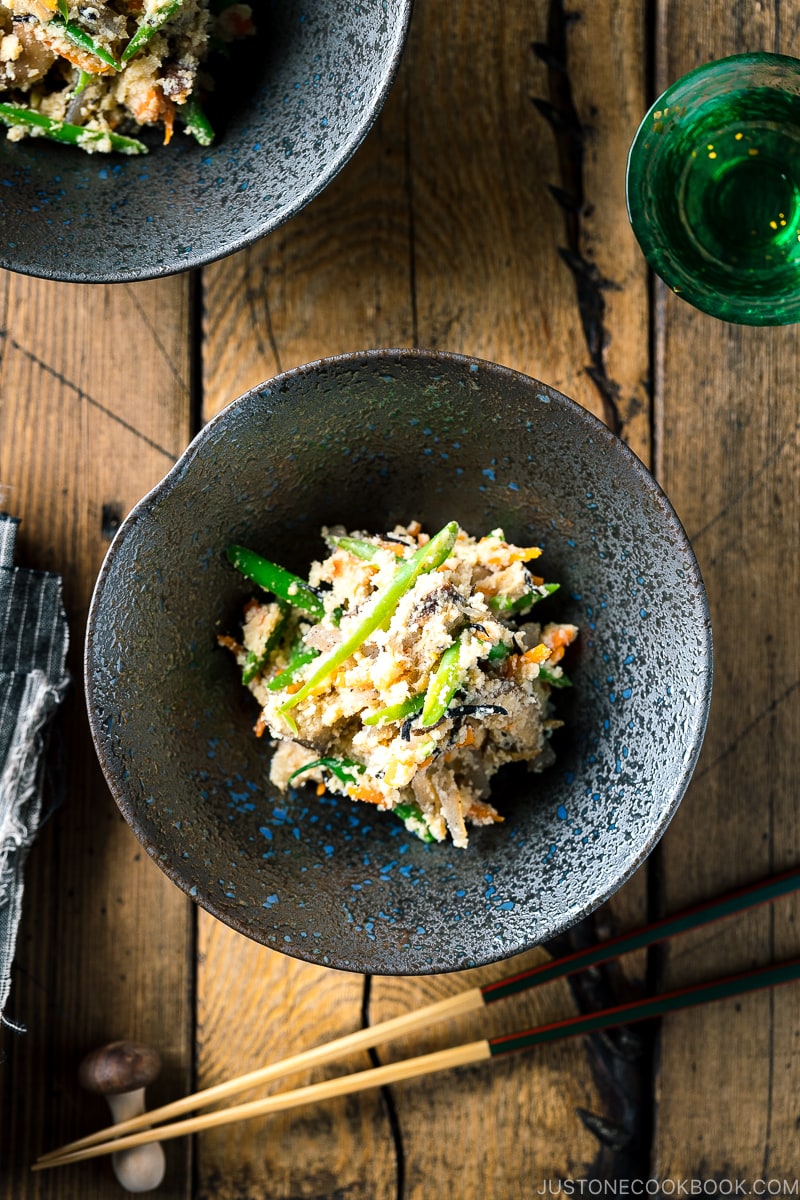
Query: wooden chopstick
<point x="470" y="1000"/>
<point x="470" y="1052"/>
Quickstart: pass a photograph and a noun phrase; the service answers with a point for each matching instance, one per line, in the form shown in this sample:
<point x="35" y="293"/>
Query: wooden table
<point x="484" y="213"/>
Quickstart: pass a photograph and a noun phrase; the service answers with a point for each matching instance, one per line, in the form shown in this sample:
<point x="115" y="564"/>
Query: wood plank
<point x="333" y="279"/>
<point x="105" y="945"/>
<point x="441" y="232"/>
<point x="254" y="1007"/>
<point x="550" y="284"/>
<point x="728" y="457"/>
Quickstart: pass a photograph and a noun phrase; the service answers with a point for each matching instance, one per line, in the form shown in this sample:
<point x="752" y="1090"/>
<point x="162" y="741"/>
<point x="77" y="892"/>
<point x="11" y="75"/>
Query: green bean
<point x="499" y="651"/>
<point x="340" y="767"/>
<point x="355" y="546"/>
<point x="556" y="681"/>
<point x="81" y="39"/>
<point x="444" y="684"/>
<point x="281" y="583"/>
<point x="396" y="712"/>
<point x="71" y="135"/>
<point x="196" y="121"/>
<point x="149" y="26"/>
<point x="298" y="658"/>
<point x="411" y="812"/>
<point x="426" y="558"/>
<point x="256" y="662"/>
<point x="84" y="78"/>
<point x="505" y="607"/>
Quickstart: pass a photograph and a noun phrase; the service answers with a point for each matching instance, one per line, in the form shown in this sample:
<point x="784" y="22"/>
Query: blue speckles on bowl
<point x="343" y="441"/>
<point x="290" y="109"/>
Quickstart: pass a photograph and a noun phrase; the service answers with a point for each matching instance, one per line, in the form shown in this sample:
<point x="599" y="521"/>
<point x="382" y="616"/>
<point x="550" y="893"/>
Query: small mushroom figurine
<point x="121" y="1071"/>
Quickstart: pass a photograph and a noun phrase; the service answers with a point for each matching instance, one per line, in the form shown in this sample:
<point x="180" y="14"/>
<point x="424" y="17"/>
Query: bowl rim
<point x="197" y="259"/>
<point x="705" y="656"/>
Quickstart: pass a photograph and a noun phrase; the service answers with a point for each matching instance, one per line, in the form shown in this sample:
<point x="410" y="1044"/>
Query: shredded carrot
<point x="505" y="555"/>
<point x="169" y="121"/>
<point x="260" y="725"/>
<point x="229" y="643"/>
<point x="363" y="791"/>
<point x="537" y="655"/>
<point x="488" y="586"/>
<point x="320" y="789"/>
<point x="558" y="639"/>
<point x="81" y="59"/>
<point x="482" y="811"/>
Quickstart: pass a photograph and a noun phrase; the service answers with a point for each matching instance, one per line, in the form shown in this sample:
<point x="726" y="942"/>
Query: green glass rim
<point x="730" y="295"/>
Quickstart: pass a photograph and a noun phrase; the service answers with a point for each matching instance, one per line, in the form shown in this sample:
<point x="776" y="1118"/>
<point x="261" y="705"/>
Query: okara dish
<point x="92" y="74"/>
<point x="400" y="672"/>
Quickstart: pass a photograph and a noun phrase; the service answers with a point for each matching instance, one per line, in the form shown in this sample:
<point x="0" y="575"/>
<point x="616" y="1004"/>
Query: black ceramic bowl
<point x="369" y="440"/>
<point x="289" y="109"/>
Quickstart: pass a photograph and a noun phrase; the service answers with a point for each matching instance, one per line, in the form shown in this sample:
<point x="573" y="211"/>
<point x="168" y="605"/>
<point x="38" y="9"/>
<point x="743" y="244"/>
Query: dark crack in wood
<point x="620" y="1059"/>
<point x="387" y="1098"/>
<point x="607" y="1132"/>
<point x="561" y="114"/>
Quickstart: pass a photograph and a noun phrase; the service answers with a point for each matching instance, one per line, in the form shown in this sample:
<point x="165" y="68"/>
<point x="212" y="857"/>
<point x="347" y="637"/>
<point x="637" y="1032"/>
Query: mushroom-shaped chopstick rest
<point x="121" y="1071"/>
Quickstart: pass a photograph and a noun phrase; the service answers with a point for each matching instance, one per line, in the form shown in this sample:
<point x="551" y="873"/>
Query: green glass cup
<point x="713" y="188"/>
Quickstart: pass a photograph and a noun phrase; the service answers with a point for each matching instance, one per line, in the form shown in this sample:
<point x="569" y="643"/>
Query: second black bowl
<point x="289" y="108"/>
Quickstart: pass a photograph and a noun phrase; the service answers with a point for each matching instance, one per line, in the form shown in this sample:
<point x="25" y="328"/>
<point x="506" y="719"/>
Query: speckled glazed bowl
<point x="289" y="109"/>
<point x="369" y="440"/>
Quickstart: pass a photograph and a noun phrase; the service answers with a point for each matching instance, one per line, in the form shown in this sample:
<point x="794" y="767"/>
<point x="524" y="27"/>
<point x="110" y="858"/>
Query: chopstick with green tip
<point x="470" y="1000"/>
<point x="456" y="1056"/>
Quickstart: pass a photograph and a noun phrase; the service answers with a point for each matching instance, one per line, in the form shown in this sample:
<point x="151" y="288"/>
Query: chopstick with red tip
<point x="470" y="1052"/>
<point x="468" y="1001"/>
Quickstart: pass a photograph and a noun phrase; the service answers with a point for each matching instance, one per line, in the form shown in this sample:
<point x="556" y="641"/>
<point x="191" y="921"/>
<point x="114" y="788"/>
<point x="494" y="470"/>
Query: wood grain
<point x="483" y="214"/>
<point x="104" y="947"/>
<point x="728" y="453"/>
<point x="442" y="232"/>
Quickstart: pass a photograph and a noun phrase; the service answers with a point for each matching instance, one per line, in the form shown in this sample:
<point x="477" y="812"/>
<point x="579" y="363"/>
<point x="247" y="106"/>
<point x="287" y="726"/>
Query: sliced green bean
<point x="70" y="135"/>
<point x="305" y="654"/>
<point x="149" y="26"/>
<point x="444" y="684"/>
<point x="195" y="121"/>
<point x="504" y="606"/>
<point x="499" y="651"/>
<point x="340" y="767"/>
<point x="256" y="662"/>
<point x="411" y="812"/>
<point x="84" y="78"/>
<point x="426" y="558"/>
<point x="556" y="681"/>
<point x="281" y="583"/>
<point x="84" y="41"/>
<point x="396" y="712"/>
<point x="355" y="546"/>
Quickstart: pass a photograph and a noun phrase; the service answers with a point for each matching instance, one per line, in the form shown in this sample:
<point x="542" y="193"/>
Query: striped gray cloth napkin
<point x="33" y="679"/>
